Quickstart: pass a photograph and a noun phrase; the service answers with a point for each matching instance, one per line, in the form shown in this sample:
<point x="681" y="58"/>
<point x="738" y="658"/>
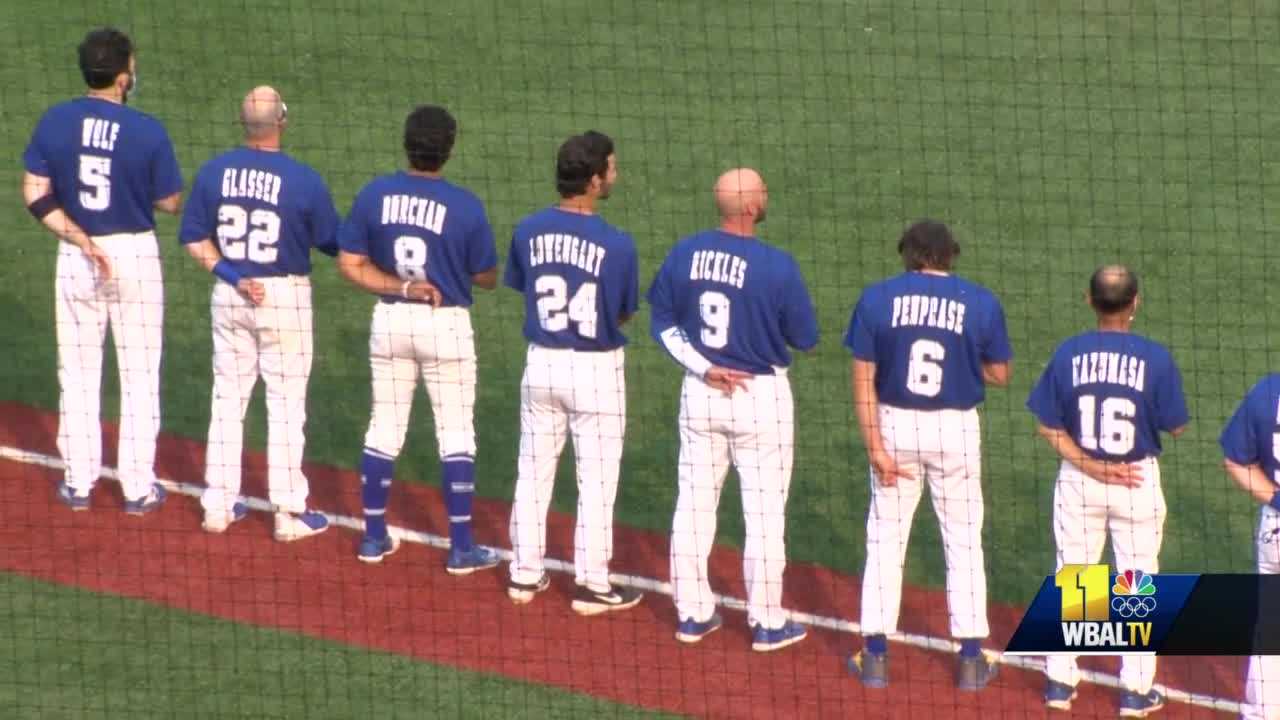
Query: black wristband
<point x="41" y="207"/>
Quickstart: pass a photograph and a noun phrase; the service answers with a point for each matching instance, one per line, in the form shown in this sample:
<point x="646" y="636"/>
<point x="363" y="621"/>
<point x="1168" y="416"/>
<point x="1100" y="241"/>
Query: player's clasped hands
<point x="1115" y="473"/>
<point x="255" y="291"/>
<point x="423" y="290"/>
<point x="726" y="380"/>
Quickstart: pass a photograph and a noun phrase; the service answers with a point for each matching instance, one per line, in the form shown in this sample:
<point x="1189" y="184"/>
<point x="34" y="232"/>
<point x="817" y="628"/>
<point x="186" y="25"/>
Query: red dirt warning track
<point x="410" y="606"/>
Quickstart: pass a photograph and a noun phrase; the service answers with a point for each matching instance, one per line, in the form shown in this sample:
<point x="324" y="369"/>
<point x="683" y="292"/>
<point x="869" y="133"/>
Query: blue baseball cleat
<point x="766" y="640"/>
<point x="290" y="527"/>
<point x="691" y="631"/>
<point x="1058" y="696"/>
<point x="67" y="496"/>
<point x="215" y="522"/>
<point x="871" y="668"/>
<point x="974" y="673"/>
<point x="1134" y="705"/>
<point x="147" y="503"/>
<point x="465" y="562"/>
<point x="373" y="550"/>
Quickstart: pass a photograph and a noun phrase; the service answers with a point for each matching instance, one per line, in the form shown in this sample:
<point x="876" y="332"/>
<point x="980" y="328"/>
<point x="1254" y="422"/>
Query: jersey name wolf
<point x="929" y="336"/>
<point x="109" y="164"/>
<point x="422" y="228"/>
<point x="579" y="276"/>
<point x="741" y="303"/>
<point x="264" y="210"/>
<point x="1113" y="392"/>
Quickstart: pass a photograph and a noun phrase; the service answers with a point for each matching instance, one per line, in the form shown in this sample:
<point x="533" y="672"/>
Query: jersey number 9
<point x="924" y="369"/>
<point x="556" y="310"/>
<point x="714" y="308"/>
<point x="244" y="235"/>
<point x="411" y="257"/>
<point x="95" y="175"/>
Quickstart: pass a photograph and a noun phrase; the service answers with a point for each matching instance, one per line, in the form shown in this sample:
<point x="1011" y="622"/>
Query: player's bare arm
<point x="486" y="280"/>
<point x="866" y="403"/>
<point x="1110" y="473"/>
<point x="206" y="253"/>
<point x="1252" y="479"/>
<point x="996" y="374"/>
<point x="171" y="204"/>
<point x="361" y="272"/>
<point x="37" y="195"/>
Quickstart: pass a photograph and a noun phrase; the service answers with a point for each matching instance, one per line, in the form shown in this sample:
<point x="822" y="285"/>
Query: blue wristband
<point x="1275" y="500"/>
<point x="224" y="271"/>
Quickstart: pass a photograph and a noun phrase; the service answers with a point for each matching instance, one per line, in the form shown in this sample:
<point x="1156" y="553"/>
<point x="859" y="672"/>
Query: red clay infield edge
<point x="410" y="606"/>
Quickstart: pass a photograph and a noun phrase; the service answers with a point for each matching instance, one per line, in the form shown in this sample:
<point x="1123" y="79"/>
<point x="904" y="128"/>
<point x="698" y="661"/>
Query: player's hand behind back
<point x="101" y="261"/>
<point x="1115" y="473"/>
<point x="255" y="291"/>
<point x="726" y="380"/>
<point x="423" y="290"/>
<point x="887" y="469"/>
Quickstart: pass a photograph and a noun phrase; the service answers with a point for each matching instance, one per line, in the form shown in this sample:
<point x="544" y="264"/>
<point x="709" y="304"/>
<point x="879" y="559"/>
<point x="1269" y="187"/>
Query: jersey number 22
<point x="248" y="235"/>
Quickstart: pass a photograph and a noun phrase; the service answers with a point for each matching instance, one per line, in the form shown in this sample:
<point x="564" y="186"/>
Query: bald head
<point x="741" y="193"/>
<point x="1113" y="289"/>
<point x="262" y="112"/>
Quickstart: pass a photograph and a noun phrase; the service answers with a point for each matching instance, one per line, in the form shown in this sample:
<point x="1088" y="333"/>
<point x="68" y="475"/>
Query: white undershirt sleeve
<point x="677" y="343"/>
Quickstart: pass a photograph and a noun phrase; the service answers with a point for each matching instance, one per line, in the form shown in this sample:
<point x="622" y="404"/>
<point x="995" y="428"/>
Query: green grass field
<point x="1052" y="135"/>
<point x="83" y="655"/>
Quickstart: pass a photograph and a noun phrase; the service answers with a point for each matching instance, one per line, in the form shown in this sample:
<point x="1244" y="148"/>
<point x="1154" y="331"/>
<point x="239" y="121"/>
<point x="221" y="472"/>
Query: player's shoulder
<point x="460" y="196"/>
<point x="1266" y="391"/>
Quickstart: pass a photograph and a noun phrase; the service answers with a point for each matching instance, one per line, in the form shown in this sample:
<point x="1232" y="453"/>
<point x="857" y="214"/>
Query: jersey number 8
<point x="411" y="257"/>
<point x="248" y="235"/>
<point x="553" y="297"/>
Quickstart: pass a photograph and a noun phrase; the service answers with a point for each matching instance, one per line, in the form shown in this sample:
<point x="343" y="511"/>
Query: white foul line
<point x="640" y="582"/>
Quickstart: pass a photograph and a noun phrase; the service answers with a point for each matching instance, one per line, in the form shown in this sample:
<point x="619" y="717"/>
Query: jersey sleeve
<point x="199" y="221"/>
<point x="353" y="233"/>
<point x="860" y="337"/>
<point x="166" y="176"/>
<point x="33" y="158"/>
<point x="1045" y="400"/>
<point x="513" y="276"/>
<point x="661" y="297"/>
<point x="324" y="219"/>
<point x="995" y="346"/>
<point x="631" y="280"/>
<point x="1171" y="403"/>
<point x="1239" y="440"/>
<point x="799" y="321"/>
<point x="482" y="253"/>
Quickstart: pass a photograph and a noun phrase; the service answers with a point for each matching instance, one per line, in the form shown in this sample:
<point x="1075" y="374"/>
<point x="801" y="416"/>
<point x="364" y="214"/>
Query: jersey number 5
<point x="553" y="296"/>
<point x="248" y="235"/>
<point x="95" y="175"/>
<point x="924" y="369"/>
<point x="1111" y="429"/>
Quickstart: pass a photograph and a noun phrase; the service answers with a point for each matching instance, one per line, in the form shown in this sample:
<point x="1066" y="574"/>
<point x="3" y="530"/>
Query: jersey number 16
<point x="1109" y="427"/>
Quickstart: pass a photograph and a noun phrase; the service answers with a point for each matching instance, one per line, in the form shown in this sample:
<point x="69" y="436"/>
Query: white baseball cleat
<point x="290" y="527"/>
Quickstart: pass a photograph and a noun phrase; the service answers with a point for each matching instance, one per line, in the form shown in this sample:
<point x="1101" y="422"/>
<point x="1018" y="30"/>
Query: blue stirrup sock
<point x="970" y="647"/>
<point x="458" y="477"/>
<point x="376" y="471"/>
<point x="877" y="644"/>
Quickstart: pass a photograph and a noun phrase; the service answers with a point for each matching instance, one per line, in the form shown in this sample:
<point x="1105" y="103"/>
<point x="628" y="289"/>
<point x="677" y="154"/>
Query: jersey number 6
<point x="924" y="369"/>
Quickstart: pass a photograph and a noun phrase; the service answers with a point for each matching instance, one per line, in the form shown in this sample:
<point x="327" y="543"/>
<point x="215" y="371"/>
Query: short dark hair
<point x="429" y="132"/>
<point x="1112" y="289"/>
<point x="579" y="159"/>
<point x="104" y="54"/>
<point x="928" y="244"/>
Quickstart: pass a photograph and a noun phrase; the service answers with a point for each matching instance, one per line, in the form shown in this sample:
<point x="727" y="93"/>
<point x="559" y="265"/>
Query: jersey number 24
<point x="556" y="309"/>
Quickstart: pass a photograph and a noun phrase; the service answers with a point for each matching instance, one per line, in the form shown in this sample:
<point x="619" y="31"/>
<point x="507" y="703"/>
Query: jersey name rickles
<point x="928" y="311"/>
<point x="251" y="183"/>
<point x="717" y="266"/>
<point x="566" y="250"/>
<point x="413" y="210"/>
<point x="1108" y="367"/>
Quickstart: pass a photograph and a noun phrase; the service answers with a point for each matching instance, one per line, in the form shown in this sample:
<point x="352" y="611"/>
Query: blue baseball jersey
<point x="740" y="302"/>
<point x="1250" y="434"/>
<point x="264" y="210"/>
<point x="108" y="164"/>
<point x="1113" y="393"/>
<point x="929" y="336"/>
<point x="421" y="228"/>
<point x="579" y="276"/>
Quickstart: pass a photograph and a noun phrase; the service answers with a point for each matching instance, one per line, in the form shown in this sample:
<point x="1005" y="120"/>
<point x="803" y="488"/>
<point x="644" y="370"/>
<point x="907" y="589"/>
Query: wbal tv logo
<point x="1097" y="614"/>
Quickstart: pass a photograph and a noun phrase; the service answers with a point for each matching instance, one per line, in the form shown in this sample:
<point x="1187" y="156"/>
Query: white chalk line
<point x="647" y="584"/>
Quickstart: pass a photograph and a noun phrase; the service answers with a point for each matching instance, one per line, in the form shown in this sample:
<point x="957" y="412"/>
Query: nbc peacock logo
<point x="1133" y="595"/>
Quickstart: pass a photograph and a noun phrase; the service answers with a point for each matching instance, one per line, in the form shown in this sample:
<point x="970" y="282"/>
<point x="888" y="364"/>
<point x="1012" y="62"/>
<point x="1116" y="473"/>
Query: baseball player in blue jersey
<point x="1102" y="403"/>
<point x="728" y="307"/>
<point x="925" y="345"/>
<point x="95" y="170"/>
<point x="1252" y="459"/>
<point x="580" y="279"/>
<point x="419" y="243"/>
<point x="252" y="218"/>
